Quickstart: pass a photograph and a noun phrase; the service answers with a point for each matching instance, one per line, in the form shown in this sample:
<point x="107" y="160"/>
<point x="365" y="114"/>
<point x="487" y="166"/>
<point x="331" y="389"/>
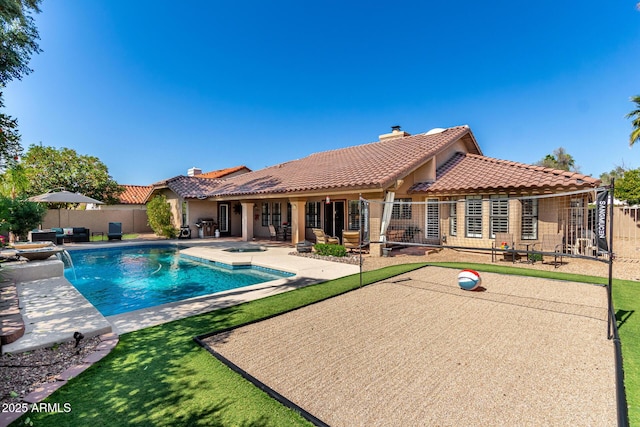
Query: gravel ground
<point x="418" y="350"/>
<point x="22" y="373"/>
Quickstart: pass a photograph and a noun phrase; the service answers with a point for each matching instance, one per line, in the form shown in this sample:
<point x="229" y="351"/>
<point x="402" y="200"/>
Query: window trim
<point x="312" y="219"/>
<point x="476" y="217"/>
<point x="495" y="214"/>
<point x="453" y="218"/>
<point x="402" y="208"/>
<point x="534" y="218"/>
<point x="265" y="214"/>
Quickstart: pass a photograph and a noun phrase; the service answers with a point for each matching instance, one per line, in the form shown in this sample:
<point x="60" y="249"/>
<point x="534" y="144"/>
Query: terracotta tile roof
<point x="223" y="172"/>
<point x="135" y="194"/>
<point x="373" y="165"/>
<point x="472" y="172"/>
<point x="191" y="186"/>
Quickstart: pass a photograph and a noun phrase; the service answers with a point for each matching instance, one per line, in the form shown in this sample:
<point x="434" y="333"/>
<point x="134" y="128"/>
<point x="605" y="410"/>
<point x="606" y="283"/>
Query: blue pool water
<point x="119" y="280"/>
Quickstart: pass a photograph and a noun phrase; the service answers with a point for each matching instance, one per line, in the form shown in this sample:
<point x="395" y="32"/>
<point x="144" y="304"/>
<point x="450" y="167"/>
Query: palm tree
<point x="635" y="116"/>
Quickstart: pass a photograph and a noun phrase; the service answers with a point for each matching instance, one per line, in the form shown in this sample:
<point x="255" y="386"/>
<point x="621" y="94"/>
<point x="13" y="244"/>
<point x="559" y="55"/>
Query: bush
<point x="160" y="218"/>
<point x="330" y="250"/>
<point x="20" y="216"/>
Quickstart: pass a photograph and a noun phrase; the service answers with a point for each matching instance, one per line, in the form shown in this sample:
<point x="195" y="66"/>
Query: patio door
<point x="223" y="219"/>
<point x="334" y="218"/>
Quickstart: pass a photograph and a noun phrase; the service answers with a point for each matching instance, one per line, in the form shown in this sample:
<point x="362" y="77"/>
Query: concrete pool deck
<point x="53" y="309"/>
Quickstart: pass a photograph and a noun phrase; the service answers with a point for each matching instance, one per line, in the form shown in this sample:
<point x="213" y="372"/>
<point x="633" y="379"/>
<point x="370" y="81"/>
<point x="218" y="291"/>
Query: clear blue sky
<point x="153" y="88"/>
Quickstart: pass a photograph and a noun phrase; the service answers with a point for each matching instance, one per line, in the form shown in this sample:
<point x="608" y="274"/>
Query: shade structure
<point x="63" y="197"/>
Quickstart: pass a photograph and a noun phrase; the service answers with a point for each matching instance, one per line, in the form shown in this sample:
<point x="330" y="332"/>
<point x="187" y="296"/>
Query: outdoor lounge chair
<point x="351" y="240"/>
<point x="115" y="231"/>
<point x="273" y="234"/>
<point x="321" y="237"/>
<point x="552" y="243"/>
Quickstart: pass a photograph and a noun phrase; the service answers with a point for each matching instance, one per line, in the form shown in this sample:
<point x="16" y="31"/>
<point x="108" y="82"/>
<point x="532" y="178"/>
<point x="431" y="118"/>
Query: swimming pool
<point x="123" y="279"/>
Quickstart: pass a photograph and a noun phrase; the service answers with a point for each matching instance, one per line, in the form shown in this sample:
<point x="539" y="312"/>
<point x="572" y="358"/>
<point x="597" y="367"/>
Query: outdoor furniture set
<point x="60" y="235"/>
<point x="511" y="251"/>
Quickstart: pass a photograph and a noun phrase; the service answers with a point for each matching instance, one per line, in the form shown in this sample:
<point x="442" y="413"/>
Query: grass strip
<point x="159" y="376"/>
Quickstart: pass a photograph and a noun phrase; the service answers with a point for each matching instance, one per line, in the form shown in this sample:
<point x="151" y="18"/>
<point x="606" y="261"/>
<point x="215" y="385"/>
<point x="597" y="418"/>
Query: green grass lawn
<point x="104" y="238"/>
<point x="160" y="376"/>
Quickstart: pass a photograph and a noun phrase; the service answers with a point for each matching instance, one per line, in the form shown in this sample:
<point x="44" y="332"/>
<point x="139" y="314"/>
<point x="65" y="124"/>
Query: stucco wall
<point x="133" y="221"/>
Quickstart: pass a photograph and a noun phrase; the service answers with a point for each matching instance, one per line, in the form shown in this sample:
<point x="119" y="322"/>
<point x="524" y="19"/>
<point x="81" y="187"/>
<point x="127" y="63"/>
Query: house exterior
<point x="189" y="204"/>
<point x="476" y="196"/>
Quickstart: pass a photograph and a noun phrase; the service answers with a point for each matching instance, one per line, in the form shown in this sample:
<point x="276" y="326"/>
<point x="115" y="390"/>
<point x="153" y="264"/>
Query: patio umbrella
<point x="63" y="197"/>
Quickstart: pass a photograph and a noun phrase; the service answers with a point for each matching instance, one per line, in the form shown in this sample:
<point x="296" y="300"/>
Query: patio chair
<point x="321" y="237"/>
<point x="552" y="243"/>
<point x="273" y="234"/>
<point x="351" y="240"/>
<point x="115" y="231"/>
<point x="503" y="241"/>
<point x="590" y="244"/>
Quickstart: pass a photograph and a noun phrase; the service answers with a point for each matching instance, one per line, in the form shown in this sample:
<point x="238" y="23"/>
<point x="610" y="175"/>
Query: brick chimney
<point x="395" y="133"/>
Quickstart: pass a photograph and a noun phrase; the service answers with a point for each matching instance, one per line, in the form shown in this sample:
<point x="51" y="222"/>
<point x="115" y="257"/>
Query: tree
<point x="48" y="168"/>
<point x="635" y="122"/>
<point x="18" y="38"/>
<point x="160" y="217"/>
<point x="18" y="42"/>
<point x="13" y="182"/>
<point x="616" y="174"/>
<point x="10" y="148"/>
<point x="560" y="159"/>
<point x="22" y="216"/>
<point x="628" y="187"/>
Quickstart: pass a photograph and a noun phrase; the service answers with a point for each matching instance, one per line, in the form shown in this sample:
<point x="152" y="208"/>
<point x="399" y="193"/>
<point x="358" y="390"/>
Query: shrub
<point x="535" y="257"/>
<point x="160" y="218"/>
<point x="21" y="216"/>
<point x="330" y="250"/>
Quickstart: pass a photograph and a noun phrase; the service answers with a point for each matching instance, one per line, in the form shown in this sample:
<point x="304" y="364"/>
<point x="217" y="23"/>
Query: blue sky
<point x="153" y="88"/>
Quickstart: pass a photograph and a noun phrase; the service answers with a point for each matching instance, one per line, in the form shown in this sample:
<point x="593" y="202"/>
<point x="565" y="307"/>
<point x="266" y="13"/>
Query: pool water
<point x="119" y="280"/>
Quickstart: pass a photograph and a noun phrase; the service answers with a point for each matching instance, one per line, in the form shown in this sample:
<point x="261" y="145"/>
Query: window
<point x="276" y="215"/>
<point x="184" y="213"/>
<point x="312" y="214"/>
<point x="354" y="215"/>
<point x="473" y="216"/>
<point x="529" y="219"/>
<point x="433" y="219"/>
<point x="453" y="218"/>
<point x="401" y="209"/>
<point x="265" y="214"/>
<point x="499" y="217"/>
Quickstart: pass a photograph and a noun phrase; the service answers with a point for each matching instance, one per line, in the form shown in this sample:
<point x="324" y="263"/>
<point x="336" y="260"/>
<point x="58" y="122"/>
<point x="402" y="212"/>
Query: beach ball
<point x="469" y="280"/>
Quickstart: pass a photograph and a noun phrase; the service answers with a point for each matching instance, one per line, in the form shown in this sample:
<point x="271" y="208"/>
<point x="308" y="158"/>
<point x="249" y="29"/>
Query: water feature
<point x="65" y="257"/>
